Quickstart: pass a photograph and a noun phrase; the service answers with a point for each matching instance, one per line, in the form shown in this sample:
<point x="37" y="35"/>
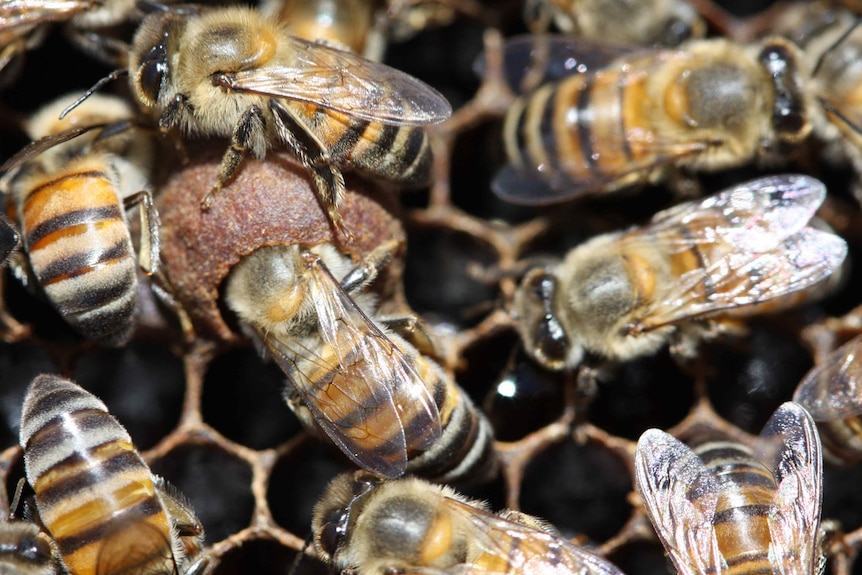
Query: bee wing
<point x="530" y="60"/>
<point x="22" y="13"/>
<point x="135" y="541"/>
<point x="680" y="495"/>
<point x="9" y="239"/>
<point x="750" y="244"/>
<point x="516" y="548"/>
<point x="789" y="445"/>
<point x="362" y="389"/>
<point x="735" y="279"/>
<point x="346" y="82"/>
<point x="832" y="389"/>
<point x="757" y="214"/>
<point x="35" y="148"/>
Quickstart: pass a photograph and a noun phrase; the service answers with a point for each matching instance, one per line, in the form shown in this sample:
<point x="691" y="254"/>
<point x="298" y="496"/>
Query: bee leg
<point x="11" y="330"/>
<point x="316" y="158"/>
<point x="148" y="254"/>
<point x="365" y="271"/>
<point x="414" y="331"/>
<point x="250" y="127"/>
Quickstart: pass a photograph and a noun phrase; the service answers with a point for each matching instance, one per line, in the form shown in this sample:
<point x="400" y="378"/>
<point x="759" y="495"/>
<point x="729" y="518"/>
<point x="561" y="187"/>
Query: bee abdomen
<point x="90" y="483"/>
<point x="82" y="254"/>
<point x="465" y="449"/>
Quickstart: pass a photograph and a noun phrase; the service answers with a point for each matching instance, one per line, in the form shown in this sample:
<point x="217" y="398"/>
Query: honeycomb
<point x="208" y="415"/>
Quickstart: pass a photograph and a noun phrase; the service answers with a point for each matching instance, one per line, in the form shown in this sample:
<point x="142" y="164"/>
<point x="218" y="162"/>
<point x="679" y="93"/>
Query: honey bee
<point x="364" y="526"/>
<point x="390" y="409"/>
<point x="632" y="119"/>
<point x="343" y="24"/>
<point x="685" y="275"/>
<point x="726" y="508"/>
<point x="662" y="22"/>
<point x="68" y="194"/>
<point x="830" y="392"/>
<point x="106" y="511"/>
<point x="240" y="75"/>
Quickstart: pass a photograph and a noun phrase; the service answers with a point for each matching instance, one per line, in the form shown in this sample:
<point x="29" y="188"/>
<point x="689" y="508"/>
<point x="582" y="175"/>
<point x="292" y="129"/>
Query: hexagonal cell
<point x="643" y="559"/>
<point x="242" y="399"/>
<point x="524" y="397"/>
<point x="640" y="394"/>
<point x="298" y="480"/>
<point x="142" y="385"/>
<point x="265" y="557"/>
<point x="437" y="280"/>
<point x="217" y="484"/>
<point x="579" y="489"/>
<point x="19" y="364"/>
<point x="757" y="374"/>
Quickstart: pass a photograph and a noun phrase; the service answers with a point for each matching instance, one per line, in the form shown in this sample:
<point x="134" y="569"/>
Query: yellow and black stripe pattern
<point x="79" y="246"/>
<point x="94" y="493"/>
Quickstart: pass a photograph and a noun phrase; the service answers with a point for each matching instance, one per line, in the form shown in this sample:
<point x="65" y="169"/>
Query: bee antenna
<point x="109" y="78"/>
<point x="16" y="499"/>
<point x="835" y="44"/>
<point x="840" y="115"/>
<point x="295" y="565"/>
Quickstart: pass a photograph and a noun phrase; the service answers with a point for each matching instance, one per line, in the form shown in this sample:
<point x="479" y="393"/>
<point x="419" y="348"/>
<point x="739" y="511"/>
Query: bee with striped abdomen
<point x="389" y="408"/>
<point x="231" y="72"/>
<point x="95" y="495"/>
<point x="725" y="508"/>
<point x="691" y="271"/>
<point x="635" y="22"/>
<point x="409" y="526"/>
<point x="68" y="193"/>
<point x="632" y="117"/>
<point x="832" y="395"/>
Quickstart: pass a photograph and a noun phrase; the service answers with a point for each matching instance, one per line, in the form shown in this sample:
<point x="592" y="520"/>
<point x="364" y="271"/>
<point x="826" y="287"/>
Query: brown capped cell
<point x="271" y="202"/>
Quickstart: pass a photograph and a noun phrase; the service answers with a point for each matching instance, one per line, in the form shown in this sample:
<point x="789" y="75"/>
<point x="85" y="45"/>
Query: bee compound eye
<point x="36" y="549"/>
<point x="151" y="74"/>
<point x="333" y="531"/>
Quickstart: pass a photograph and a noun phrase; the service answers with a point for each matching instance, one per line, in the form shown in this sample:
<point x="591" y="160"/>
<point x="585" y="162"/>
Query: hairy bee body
<point x="345" y="24"/>
<point x="388" y="407"/>
<point x="69" y="202"/>
<point x="663" y="22"/>
<point x="744" y="251"/>
<point x="94" y="493"/>
<point x="235" y="73"/>
<point x="709" y="105"/>
<point x="726" y="508"/>
<point x="411" y="526"/>
<point x="26" y="550"/>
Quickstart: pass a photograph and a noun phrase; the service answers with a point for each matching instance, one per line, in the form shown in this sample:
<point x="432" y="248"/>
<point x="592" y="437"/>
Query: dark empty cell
<point x="642" y="559"/>
<point x="296" y="483"/>
<point x="754" y="375"/>
<point x="639" y="394"/>
<point x="243" y="400"/>
<point x="19" y="364"/>
<point x="483" y="361"/>
<point x="493" y="492"/>
<point x="524" y="397"/>
<point x="437" y="280"/>
<point x="217" y="484"/>
<point x="265" y="557"/>
<point x="579" y="489"/>
<point x="142" y="385"/>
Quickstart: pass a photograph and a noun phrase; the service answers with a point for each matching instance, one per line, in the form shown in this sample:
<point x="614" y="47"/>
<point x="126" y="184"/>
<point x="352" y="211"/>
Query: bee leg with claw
<point x="313" y="154"/>
<point x="249" y="128"/>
